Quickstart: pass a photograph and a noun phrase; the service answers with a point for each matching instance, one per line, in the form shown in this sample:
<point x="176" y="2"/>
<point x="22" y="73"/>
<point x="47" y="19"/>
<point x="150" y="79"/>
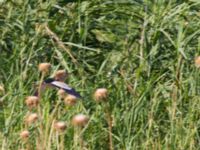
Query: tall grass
<point x="142" y="51"/>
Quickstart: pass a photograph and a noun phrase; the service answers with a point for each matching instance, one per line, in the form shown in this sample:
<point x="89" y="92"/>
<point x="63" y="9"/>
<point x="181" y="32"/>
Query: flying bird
<point x="60" y="85"/>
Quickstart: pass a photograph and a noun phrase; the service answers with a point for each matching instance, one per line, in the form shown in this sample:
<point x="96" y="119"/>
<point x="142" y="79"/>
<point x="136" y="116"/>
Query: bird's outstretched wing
<point x="67" y="88"/>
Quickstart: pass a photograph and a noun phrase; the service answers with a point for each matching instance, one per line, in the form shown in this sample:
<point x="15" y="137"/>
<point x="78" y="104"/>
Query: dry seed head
<point x="44" y="67"/>
<point x="197" y="62"/>
<point x="60" y="126"/>
<point x="32" y="101"/>
<point x="80" y="120"/>
<point x="70" y="100"/>
<point x="60" y="75"/>
<point x="101" y="94"/>
<point x="31" y="118"/>
<point x="24" y="134"/>
<point x="61" y="93"/>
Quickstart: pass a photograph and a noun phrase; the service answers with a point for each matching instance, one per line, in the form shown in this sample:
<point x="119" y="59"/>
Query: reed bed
<point x="135" y="63"/>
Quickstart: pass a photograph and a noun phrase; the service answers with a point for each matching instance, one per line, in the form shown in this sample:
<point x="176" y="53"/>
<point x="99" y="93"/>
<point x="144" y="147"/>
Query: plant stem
<point x="109" y="121"/>
<point x="50" y="134"/>
<point x="41" y="139"/>
<point x="62" y="143"/>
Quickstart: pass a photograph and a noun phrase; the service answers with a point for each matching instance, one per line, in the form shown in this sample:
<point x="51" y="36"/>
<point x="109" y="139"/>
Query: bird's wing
<point x="65" y="87"/>
<point x="61" y="85"/>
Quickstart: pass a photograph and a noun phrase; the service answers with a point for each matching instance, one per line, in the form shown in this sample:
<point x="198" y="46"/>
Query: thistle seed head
<point x="44" y="67"/>
<point x="70" y="100"/>
<point x="32" y="101"/>
<point x="101" y="94"/>
<point x="197" y="62"/>
<point x="80" y="120"/>
<point x="60" y="75"/>
<point x="24" y="134"/>
<point x="31" y="118"/>
<point x="60" y="126"/>
<point x="61" y="93"/>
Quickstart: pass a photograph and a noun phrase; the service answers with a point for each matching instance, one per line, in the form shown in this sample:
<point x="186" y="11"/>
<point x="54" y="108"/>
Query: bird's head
<point x="49" y="80"/>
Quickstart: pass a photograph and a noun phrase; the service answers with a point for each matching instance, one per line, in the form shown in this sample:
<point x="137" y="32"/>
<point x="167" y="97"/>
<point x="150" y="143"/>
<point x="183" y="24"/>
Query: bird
<point x="51" y="82"/>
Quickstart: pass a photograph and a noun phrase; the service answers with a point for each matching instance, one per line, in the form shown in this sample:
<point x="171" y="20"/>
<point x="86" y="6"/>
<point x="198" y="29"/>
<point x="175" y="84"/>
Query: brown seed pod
<point x="60" y="126"/>
<point x="31" y="118"/>
<point x="80" y="120"/>
<point x="24" y="134"/>
<point x="32" y="101"/>
<point x="70" y="100"/>
<point x="197" y="62"/>
<point x="60" y="75"/>
<point x="101" y="94"/>
<point x="61" y="93"/>
<point x="44" y="67"/>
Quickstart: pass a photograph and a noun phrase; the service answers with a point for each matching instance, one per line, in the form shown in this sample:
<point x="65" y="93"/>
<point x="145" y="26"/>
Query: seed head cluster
<point x="79" y="120"/>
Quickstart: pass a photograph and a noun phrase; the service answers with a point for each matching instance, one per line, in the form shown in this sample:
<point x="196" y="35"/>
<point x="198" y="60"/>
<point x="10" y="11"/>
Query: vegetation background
<point x="142" y="51"/>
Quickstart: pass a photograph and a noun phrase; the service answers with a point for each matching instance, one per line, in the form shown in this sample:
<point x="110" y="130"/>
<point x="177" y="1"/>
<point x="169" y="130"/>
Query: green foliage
<point x="141" y="50"/>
